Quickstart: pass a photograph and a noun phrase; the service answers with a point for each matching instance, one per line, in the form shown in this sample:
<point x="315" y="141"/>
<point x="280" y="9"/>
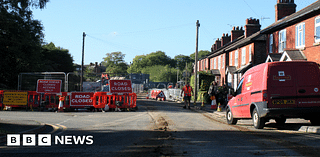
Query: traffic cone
<point x="213" y="104"/>
<point x="219" y="108"/>
<point x="60" y="107"/>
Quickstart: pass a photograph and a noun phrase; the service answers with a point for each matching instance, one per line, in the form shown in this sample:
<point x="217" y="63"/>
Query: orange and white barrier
<point x="101" y="99"/>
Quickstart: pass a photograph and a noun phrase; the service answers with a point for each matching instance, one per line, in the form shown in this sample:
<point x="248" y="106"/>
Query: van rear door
<point x="281" y="86"/>
<point x="308" y="85"/>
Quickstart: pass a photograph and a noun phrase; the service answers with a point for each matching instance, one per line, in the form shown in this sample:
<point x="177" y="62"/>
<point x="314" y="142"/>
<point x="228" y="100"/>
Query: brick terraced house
<point x="293" y="36"/>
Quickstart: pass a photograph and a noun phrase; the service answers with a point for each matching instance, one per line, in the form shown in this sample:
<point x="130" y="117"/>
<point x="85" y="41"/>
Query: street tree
<point x="56" y="59"/>
<point x="115" y="63"/>
<point x="20" y="40"/>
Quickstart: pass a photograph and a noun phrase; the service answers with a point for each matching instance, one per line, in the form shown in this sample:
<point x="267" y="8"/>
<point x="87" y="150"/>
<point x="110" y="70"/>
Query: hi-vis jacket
<point x="187" y="90"/>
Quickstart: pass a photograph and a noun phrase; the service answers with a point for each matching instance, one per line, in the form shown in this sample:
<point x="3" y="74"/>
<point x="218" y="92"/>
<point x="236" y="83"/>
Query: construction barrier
<point x="101" y="99"/>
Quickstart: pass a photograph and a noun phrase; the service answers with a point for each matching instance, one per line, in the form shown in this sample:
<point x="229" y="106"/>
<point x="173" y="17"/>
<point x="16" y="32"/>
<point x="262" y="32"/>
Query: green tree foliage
<point x="115" y="63"/>
<point x="182" y="61"/>
<point x="161" y="73"/>
<point x="149" y="60"/>
<point x="20" y="39"/>
<point x="56" y="59"/>
<point x="201" y="54"/>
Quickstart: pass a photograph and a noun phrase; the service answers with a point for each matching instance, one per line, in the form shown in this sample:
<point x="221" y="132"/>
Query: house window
<point x="282" y="40"/>
<point x="300" y="35"/>
<point x="271" y="43"/>
<point x="214" y="63"/>
<point x="243" y="56"/>
<point x="236" y="58"/>
<point x="230" y="61"/>
<point x="317" y="29"/>
<point x="250" y="53"/>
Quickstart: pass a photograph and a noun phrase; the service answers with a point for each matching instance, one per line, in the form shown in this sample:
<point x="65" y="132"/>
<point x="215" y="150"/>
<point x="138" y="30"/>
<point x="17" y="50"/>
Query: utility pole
<point x="81" y="79"/>
<point x="196" y="65"/>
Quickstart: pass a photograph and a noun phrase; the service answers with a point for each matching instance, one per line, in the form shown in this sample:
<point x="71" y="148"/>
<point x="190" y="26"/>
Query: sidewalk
<point x="19" y="127"/>
<point x="221" y="116"/>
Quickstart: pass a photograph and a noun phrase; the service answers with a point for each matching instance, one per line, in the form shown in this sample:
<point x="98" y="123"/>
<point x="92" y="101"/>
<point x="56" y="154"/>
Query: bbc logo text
<point x="46" y="140"/>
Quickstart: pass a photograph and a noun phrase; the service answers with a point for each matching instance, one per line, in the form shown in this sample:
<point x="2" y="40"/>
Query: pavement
<point x="30" y="126"/>
<point x="19" y="127"/>
<point x="301" y="124"/>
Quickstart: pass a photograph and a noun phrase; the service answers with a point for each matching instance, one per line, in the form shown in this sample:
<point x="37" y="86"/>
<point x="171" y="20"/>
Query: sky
<point x="140" y="27"/>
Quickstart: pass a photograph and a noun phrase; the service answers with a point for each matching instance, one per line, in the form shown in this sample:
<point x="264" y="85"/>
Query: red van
<point x="277" y="90"/>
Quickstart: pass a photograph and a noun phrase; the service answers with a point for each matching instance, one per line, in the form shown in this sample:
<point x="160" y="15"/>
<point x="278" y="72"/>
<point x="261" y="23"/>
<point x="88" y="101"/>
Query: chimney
<point x="218" y="44"/>
<point x="284" y="8"/>
<point x="252" y="26"/>
<point x="225" y="39"/>
<point x="236" y="33"/>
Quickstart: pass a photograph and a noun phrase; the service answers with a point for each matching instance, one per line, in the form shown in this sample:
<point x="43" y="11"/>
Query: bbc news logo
<point x="46" y="140"/>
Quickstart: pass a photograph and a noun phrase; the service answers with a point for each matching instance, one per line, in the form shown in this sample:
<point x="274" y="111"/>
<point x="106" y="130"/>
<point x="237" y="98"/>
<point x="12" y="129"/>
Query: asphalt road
<point x="159" y="129"/>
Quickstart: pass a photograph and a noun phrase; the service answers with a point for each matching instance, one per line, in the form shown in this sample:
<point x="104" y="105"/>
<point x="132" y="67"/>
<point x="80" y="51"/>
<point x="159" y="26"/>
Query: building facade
<point x="293" y="36"/>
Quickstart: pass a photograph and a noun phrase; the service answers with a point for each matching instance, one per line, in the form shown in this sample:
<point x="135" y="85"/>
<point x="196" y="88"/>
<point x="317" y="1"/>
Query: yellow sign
<point x="283" y="102"/>
<point x="15" y="98"/>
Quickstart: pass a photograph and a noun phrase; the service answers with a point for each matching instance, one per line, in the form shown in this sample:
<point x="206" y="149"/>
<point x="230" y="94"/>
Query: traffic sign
<point x="49" y="86"/>
<point x="120" y="86"/>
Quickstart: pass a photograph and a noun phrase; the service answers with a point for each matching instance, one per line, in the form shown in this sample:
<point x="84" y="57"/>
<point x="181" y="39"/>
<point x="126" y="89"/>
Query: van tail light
<point x="264" y="95"/>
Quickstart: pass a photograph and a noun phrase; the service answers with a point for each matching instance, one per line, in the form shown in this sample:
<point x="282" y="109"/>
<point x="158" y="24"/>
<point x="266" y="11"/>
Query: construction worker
<point x="187" y="90"/>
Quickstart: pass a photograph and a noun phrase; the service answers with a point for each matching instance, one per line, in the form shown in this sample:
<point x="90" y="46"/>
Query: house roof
<point x="231" y="69"/>
<point x="304" y="13"/>
<point x="293" y="55"/>
<point x="274" y="57"/>
<point x="215" y="72"/>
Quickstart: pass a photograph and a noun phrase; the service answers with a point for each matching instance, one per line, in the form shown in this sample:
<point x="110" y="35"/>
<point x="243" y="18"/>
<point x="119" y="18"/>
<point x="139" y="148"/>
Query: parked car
<point x="277" y="90"/>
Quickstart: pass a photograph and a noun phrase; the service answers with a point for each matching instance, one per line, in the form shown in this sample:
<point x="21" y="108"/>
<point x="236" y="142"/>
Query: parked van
<point x="277" y="90"/>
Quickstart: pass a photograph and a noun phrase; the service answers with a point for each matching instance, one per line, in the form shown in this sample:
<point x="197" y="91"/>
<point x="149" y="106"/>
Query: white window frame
<point x="282" y="40"/>
<point x="214" y="63"/>
<point x="317" y="26"/>
<point x="271" y="43"/>
<point x="236" y="58"/>
<point x="243" y="56"/>
<point x="250" y="53"/>
<point x="300" y="35"/>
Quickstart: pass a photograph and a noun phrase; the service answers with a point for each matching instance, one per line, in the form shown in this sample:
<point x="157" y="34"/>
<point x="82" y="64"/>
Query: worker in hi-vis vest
<point x="188" y="92"/>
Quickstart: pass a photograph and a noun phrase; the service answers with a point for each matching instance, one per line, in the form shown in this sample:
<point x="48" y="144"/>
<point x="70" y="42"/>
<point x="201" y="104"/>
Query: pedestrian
<point x="212" y="89"/>
<point x="187" y="90"/>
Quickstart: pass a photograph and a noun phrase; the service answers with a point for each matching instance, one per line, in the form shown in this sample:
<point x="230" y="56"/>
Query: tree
<point x="201" y="54"/>
<point x="182" y="60"/>
<point x="20" y="40"/>
<point x="115" y="63"/>
<point x="149" y="60"/>
<point x="56" y="59"/>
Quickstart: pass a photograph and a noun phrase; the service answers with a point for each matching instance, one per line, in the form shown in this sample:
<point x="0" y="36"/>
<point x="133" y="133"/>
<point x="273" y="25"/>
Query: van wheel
<point x="258" y="122"/>
<point x="280" y="121"/>
<point x="230" y="119"/>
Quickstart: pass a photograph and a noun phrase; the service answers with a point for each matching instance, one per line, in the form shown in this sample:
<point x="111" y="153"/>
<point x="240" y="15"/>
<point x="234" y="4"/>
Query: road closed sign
<point x="120" y="86"/>
<point x="81" y="99"/>
<point x="49" y="86"/>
